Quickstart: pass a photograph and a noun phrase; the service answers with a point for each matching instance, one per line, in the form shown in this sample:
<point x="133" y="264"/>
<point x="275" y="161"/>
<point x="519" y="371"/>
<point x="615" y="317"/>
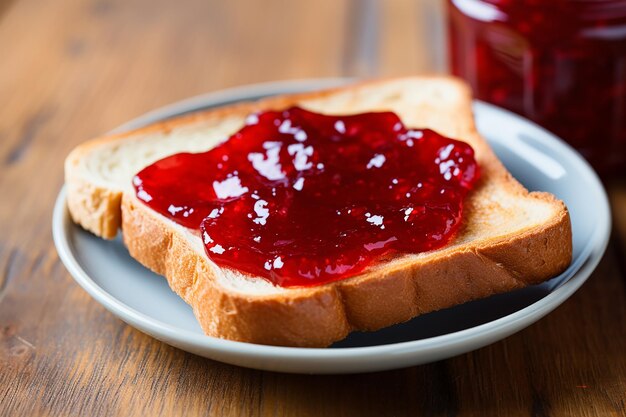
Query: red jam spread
<point x="302" y="199"/>
<point x="561" y="63"/>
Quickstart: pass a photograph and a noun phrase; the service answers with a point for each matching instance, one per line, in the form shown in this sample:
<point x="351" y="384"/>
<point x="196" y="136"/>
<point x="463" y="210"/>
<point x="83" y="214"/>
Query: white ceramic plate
<point x="538" y="159"/>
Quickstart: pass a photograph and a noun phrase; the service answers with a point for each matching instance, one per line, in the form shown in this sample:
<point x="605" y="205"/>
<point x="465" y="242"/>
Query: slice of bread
<point x="510" y="238"/>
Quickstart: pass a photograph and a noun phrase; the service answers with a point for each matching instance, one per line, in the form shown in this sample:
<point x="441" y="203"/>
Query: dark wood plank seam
<point x="441" y="397"/>
<point x="5" y="6"/>
<point x="38" y="262"/>
<point x="360" y="55"/>
<point x="30" y="130"/>
<point x="7" y="272"/>
<point x="540" y="406"/>
<point x="619" y="247"/>
<point x="261" y="391"/>
<point x="57" y="268"/>
<point x="350" y="39"/>
<point x="448" y="389"/>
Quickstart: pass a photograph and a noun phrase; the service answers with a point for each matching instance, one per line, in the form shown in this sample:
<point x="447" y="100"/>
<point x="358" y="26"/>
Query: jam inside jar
<point x="560" y="63"/>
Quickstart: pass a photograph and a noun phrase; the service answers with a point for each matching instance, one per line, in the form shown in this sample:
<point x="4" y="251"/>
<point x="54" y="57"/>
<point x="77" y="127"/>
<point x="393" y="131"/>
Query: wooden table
<point x="73" y="69"/>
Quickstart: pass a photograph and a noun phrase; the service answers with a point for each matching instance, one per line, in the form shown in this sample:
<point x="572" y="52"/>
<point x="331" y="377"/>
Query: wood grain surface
<point x="73" y="69"/>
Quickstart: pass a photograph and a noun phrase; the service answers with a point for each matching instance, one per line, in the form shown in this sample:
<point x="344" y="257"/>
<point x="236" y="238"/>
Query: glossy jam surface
<point x="302" y="199"/>
<point x="561" y="63"/>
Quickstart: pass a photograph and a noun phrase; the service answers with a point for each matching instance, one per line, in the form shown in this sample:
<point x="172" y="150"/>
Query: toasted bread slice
<point x="510" y="238"/>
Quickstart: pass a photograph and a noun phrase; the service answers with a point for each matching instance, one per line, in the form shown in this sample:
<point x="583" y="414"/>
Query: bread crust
<point x="318" y="316"/>
<point x="385" y="294"/>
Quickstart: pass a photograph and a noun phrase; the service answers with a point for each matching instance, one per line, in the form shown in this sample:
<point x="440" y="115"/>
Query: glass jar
<point x="560" y="63"/>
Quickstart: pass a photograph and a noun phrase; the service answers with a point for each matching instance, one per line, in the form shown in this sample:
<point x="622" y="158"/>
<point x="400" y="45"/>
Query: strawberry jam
<point x="302" y="199"/>
<point x="561" y="63"/>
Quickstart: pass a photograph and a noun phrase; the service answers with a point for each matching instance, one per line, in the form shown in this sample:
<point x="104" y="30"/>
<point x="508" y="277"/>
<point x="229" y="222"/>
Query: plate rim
<point x="481" y="335"/>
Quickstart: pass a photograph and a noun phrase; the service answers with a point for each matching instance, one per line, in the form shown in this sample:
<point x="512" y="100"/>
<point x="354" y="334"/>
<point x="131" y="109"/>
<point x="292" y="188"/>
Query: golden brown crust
<point x="384" y="295"/>
<point x="312" y="317"/>
<point x="318" y="316"/>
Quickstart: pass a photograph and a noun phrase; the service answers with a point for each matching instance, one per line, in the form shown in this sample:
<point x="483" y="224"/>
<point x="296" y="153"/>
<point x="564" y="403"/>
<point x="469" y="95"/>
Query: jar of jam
<point x="560" y="63"/>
